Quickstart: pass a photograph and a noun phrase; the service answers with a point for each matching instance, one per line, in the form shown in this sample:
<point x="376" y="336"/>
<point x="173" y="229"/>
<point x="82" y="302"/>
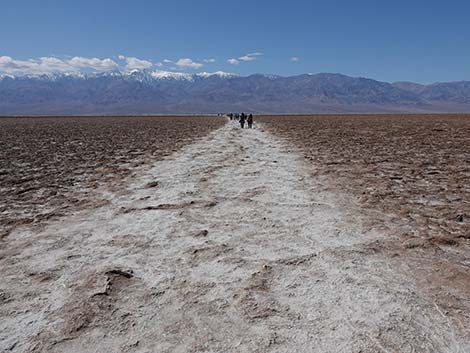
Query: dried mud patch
<point x="256" y="300"/>
<point x="93" y="304"/>
<point x="405" y="176"/>
<point x="207" y="253"/>
<point x="415" y="169"/>
<point x="52" y="166"/>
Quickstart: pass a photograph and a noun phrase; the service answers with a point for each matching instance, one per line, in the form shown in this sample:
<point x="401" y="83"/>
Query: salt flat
<point x="229" y="245"/>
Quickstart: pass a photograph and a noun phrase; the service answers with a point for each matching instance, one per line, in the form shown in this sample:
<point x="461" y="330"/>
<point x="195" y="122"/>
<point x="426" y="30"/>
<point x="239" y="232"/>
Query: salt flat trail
<point x="237" y="249"/>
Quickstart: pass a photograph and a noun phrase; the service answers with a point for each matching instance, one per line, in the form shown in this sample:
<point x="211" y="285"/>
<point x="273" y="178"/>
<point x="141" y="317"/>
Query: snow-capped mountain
<point x="164" y="92"/>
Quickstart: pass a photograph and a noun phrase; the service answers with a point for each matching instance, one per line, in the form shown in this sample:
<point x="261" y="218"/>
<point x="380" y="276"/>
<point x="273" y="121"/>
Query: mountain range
<point x="160" y="92"/>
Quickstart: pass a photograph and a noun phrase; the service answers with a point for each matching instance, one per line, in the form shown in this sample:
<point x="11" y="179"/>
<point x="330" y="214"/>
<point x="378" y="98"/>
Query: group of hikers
<point x="242" y="118"/>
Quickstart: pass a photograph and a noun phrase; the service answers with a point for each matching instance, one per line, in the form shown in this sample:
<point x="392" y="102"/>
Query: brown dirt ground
<point x="311" y="261"/>
<point x="411" y="176"/>
<point x="50" y="165"/>
<point x="414" y="168"/>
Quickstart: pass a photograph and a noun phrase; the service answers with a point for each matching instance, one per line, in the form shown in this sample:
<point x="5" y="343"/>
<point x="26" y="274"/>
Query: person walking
<point x="242" y="120"/>
<point x="249" y="120"/>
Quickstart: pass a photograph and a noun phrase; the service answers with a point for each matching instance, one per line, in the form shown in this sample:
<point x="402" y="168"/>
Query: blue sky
<point x="422" y="41"/>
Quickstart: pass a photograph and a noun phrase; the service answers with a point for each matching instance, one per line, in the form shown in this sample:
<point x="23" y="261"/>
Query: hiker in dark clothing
<point x="242" y="120"/>
<point x="249" y="120"/>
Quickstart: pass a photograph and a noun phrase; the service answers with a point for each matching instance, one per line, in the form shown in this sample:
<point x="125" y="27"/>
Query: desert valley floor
<point x="235" y="240"/>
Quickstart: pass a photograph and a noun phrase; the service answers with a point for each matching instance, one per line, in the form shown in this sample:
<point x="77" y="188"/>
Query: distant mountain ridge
<point x="161" y="92"/>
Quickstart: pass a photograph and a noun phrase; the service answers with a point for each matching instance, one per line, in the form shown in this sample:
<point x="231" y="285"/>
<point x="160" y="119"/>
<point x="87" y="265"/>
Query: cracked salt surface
<point x="235" y="249"/>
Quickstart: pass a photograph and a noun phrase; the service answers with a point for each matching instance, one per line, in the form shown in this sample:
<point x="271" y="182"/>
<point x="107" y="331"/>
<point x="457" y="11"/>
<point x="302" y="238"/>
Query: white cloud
<point x="294" y="59"/>
<point x="186" y="63"/>
<point x="209" y="61"/>
<point x="54" y="64"/>
<point x="79" y="64"/>
<point x="46" y="65"/>
<point x="246" y="58"/>
<point x="167" y="61"/>
<point x="233" y="61"/>
<point x="249" y="57"/>
<point x="41" y="66"/>
<point x="51" y="64"/>
<point x="96" y="64"/>
<point x="133" y="63"/>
